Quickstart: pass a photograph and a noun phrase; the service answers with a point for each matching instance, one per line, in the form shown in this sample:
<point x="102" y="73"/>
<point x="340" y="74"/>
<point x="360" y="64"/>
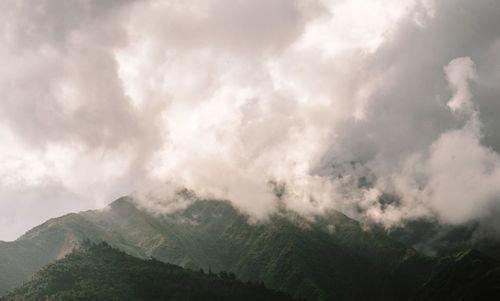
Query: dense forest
<point x="99" y="272"/>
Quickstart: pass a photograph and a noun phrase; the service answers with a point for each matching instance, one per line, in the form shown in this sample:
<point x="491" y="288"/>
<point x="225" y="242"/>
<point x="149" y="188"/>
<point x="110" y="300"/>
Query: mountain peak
<point x="122" y="201"/>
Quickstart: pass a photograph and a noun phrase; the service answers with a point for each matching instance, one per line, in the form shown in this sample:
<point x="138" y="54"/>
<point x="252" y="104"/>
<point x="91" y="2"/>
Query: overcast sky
<point x="337" y="101"/>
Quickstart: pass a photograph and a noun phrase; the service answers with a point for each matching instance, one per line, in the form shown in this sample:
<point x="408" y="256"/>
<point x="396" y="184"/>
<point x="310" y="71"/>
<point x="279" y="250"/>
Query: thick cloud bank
<point x="302" y="105"/>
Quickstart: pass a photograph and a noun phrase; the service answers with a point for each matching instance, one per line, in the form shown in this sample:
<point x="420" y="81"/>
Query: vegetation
<point x="467" y="275"/>
<point x="99" y="272"/>
<point x="330" y="258"/>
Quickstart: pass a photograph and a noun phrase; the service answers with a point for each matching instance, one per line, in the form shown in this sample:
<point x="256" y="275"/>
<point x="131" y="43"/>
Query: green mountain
<point x="99" y="272"/>
<point x="432" y="237"/>
<point x="329" y="258"/>
<point x="467" y="275"/>
<point x="332" y="257"/>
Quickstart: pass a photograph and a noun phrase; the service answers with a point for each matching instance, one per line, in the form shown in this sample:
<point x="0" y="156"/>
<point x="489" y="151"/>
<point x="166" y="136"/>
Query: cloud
<point x="471" y="177"/>
<point x="335" y="102"/>
<point x="259" y="114"/>
<point x="66" y="124"/>
<point x="454" y="178"/>
<point x="459" y="72"/>
<point x="408" y="125"/>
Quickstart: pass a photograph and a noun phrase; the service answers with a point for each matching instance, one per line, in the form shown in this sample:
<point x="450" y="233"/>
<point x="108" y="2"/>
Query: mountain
<point x="467" y="275"/>
<point x="332" y="257"/>
<point x="430" y="236"/>
<point x="99" y="272"/>
<point x="328" y="258"/>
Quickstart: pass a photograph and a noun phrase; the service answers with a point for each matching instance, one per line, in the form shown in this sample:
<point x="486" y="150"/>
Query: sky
<point x="334" y="103"/>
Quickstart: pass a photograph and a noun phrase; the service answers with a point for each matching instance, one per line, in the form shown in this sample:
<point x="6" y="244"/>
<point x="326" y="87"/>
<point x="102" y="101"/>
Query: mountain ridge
<point x="332" y="257"/>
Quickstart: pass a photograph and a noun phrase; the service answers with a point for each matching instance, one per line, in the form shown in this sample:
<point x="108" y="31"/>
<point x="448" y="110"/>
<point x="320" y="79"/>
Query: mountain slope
<point x="430" y="236"/>
<point x="331" y="257"/>
<point x="467" y="275"/>
<point x="99" y="272"/>
<point x="52" y="240"/>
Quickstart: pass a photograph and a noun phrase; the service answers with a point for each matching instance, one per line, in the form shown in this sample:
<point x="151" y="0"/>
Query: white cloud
<point x="459" y="72"/>
<point x="226" y="97"/>
<point x="455" y="178"/>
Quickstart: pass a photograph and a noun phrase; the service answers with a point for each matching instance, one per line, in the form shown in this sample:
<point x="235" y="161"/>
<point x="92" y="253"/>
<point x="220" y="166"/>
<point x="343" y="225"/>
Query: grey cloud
<point x="225" y="97"/>
<point x="64" y="104"/>
<point x="61" y="80"/>
<point x="242" y="27"/>
<point x="409" y="118"/>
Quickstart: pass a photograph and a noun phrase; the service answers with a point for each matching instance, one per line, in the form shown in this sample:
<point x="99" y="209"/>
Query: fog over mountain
<point x="303" y="105"/>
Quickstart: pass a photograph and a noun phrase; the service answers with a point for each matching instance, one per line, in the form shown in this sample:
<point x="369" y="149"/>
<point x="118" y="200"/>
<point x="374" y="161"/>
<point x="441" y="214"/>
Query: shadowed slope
<point x="99" y="272"/>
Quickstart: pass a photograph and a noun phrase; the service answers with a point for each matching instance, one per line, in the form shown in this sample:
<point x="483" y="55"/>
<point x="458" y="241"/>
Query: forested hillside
<point x="99" y="272"/>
